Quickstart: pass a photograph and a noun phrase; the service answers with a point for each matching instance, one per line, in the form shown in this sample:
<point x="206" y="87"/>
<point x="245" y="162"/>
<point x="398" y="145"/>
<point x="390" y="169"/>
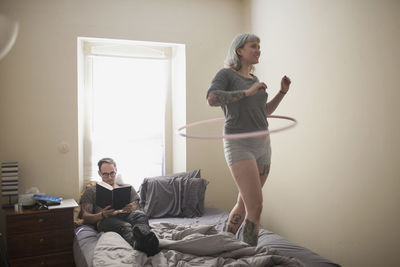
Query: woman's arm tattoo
<point x="220" y="98"/>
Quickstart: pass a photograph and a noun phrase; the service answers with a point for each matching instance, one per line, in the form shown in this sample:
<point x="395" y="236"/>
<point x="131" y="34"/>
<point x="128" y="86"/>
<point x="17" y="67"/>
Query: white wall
<point x="335" y="180"/>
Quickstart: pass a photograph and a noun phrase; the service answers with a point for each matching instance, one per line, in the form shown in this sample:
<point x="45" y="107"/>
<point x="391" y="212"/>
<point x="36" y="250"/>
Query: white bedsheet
<point x="186" y="246"/>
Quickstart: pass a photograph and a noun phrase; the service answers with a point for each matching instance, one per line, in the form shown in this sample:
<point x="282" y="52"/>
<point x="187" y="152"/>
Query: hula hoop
<point x="239" y="135"/>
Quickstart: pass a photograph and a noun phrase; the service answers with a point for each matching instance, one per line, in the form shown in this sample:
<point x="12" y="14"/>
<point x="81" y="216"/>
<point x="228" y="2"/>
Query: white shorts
<point x="258" y="149"/>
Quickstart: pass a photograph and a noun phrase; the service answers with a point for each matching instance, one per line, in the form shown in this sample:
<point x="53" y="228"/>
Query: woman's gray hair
<point x="232" y="59"/>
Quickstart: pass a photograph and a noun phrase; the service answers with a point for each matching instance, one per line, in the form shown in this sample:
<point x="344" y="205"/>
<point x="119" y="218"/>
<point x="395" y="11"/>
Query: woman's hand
<point x="255" y="88"/>
<point x="285" y="84"/>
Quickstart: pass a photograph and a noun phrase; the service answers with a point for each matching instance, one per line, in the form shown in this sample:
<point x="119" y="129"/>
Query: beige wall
<point x="335" y="180"/>
<point x="38" y="78"/>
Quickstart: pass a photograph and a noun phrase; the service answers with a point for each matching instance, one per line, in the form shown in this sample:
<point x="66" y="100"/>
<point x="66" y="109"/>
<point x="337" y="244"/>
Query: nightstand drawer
<point x="40" y="221"/>
<point x="57" y="260"/>
<point x="30" y="244"/>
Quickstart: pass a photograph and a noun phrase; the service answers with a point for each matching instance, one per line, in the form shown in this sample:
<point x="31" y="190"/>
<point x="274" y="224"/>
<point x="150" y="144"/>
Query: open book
<point x="116" y="197"/>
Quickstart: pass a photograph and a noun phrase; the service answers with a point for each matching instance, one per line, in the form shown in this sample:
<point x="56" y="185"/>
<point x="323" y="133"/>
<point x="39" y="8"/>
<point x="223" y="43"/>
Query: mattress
<point x="86" y="239"/>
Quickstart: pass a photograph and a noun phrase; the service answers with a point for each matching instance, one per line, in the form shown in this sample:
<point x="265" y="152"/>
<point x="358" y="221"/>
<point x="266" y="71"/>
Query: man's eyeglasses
<point x="107" y="174"/>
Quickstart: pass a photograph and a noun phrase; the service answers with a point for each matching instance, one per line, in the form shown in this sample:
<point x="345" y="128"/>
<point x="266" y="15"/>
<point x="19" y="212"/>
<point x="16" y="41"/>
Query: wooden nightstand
<point x="40" y="237"/>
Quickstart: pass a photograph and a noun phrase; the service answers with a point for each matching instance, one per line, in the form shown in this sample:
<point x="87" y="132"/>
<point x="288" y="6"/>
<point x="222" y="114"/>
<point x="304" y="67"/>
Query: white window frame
<point x="175" y="115"/>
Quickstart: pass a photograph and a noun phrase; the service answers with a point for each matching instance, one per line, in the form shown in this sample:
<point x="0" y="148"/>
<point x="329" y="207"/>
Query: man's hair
<point x="106" y="160"/>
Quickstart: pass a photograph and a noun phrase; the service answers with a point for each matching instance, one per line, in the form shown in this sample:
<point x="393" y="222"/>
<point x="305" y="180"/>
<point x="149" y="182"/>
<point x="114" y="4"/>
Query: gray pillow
<point x="176" y="195"/>
<point x="193" y="197"/>
<point x="189" y="174"/>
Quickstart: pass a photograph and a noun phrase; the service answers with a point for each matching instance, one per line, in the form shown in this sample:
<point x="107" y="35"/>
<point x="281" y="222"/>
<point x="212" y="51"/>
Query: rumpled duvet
<point x="185" y="246"/>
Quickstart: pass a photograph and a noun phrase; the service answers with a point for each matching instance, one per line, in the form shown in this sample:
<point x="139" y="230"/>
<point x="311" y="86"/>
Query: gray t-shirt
<point x="246" y="115"/>
<point x="89" y="196"/>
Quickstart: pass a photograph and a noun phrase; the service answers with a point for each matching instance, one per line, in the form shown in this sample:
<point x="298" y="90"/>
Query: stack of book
<point x="9" y="181"/>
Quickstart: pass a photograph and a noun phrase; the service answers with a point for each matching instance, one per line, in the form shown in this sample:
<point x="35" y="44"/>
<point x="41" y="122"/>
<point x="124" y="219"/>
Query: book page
<point x="104" y="184"/>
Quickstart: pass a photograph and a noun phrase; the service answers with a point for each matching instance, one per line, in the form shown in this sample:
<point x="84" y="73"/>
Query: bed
<point x="189" y="233"/>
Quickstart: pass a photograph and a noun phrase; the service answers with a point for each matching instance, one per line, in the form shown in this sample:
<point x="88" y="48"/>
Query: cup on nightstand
<point x="18" y="207"/>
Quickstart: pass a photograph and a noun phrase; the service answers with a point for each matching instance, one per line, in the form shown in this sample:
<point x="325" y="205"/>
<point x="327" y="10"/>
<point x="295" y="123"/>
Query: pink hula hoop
<point x="239" y="135"/>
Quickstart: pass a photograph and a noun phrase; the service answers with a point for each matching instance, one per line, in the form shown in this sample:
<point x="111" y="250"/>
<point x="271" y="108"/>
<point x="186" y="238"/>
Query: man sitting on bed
<point x="131" y="223"/>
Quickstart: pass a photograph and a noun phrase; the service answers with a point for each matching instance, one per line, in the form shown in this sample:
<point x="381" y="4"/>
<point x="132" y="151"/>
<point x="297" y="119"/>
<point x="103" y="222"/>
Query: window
<point x="126" y="107"/>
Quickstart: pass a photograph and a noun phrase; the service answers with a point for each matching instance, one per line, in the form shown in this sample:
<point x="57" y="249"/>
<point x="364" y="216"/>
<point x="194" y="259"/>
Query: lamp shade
<point x="9" y="178"/>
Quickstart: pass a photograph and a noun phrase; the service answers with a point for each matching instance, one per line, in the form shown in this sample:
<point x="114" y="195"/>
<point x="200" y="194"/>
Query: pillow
<point x="176" y="195"/>
<point x="189" y="174"/>
<point x="119" y="180"/>
<point x="143" y="187"/>
<point x="193" y="197"/>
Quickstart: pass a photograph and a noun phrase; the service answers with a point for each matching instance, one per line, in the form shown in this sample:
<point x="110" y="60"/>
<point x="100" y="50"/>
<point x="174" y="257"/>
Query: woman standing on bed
<point x="243" y="99"/>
